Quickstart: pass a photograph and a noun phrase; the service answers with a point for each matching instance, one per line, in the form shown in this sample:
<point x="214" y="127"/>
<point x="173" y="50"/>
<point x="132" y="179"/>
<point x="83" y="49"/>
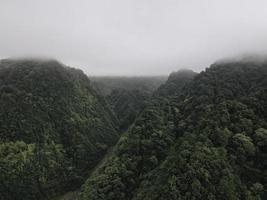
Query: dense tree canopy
<point x="198" y="136"/>
<point x="54" y="128"/>
<point x="127" y="104"/>
<point x="208" y="141"/>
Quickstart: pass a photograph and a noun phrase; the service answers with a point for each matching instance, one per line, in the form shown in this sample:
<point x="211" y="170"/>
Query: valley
<point x="189" y="136"/>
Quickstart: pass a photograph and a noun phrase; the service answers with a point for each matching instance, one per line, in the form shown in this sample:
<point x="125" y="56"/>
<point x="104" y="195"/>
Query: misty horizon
<point x="133" y="99"/>
<point x="254" y="58"/>
<point x="133" y="38"/>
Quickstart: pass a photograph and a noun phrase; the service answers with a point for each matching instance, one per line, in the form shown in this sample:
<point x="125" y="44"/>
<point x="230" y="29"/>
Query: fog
<point x="133" y="37"/>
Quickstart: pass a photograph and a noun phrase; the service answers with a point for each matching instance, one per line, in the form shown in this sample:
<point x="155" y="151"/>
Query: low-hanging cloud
<point x="133" y="37"/>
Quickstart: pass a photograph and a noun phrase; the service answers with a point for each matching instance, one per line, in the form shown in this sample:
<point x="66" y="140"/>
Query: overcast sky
<point x="133" y="37"/>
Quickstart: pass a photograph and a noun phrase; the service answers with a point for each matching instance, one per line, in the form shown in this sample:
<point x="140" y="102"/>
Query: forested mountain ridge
<point x="54" y="128"/>
<point x="208" y="142"/>
<point x="199" y="136"/>
<point x="176" y="83"/>
<point x="138" y="151"/>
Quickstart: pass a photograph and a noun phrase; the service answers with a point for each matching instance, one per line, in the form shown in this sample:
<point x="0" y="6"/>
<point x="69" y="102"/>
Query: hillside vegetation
<point x="208" y="141"/>
<point x="127" y="105"/>
<point x="54" y="128"/>
<point x="197" y="136"/>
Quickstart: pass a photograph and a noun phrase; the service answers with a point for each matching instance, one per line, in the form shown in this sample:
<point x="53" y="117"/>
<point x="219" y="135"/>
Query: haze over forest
<point x="133" y="100"/>
<point x="133" y="37"/>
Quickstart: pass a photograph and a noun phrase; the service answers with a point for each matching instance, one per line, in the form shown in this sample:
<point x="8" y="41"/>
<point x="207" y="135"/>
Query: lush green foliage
<point x="208" y="142"/>
<point x="53" y="128"/>
<point x="198" y="137"/>
<point x="137" y="152"/>
<point x="175" y="83"/>
<point x="127" y="104"/>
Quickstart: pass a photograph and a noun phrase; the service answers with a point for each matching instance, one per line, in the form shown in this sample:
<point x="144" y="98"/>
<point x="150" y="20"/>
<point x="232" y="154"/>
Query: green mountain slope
<point x="127" y="104"/>
<point x="53" y="128"/>
<point x="209" y="142"/>
<point x="175" y="83"/>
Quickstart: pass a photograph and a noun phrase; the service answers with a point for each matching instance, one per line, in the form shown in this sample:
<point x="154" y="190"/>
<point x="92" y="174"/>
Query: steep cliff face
<point x="53" y="128"/>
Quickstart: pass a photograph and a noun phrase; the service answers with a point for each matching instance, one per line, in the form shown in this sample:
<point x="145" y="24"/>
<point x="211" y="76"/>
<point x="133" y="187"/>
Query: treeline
<point x="208" y="141"/>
